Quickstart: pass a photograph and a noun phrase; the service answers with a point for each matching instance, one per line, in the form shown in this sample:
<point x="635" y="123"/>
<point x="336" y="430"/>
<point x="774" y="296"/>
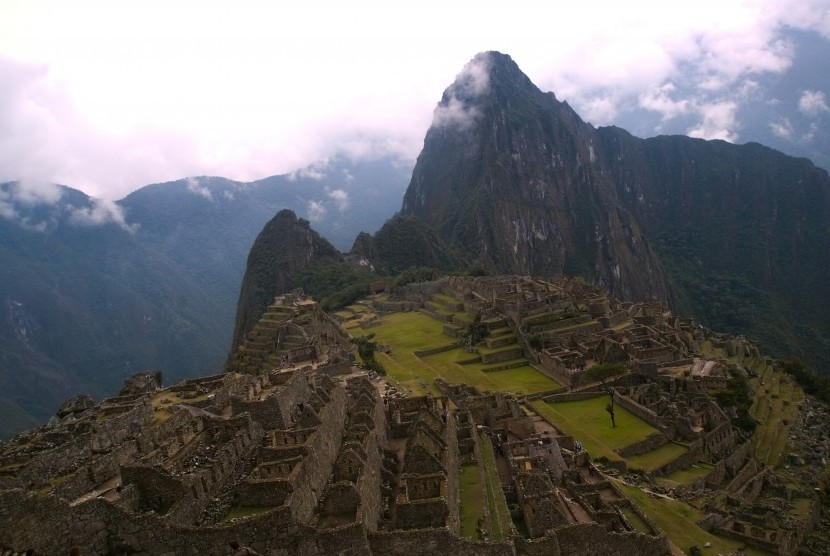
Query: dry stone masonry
<point x="294" y="450"/>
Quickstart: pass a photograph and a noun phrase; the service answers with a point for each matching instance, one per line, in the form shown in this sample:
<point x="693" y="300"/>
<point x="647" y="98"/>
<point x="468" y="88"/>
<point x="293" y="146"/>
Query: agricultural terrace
<point x="411" y="332"/>
<point x="679" y="521"/>
<point x="589" y="423"/>
<point x="775" y="406"/>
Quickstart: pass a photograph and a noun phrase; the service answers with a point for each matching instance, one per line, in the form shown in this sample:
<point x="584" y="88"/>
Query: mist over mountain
<point x="736" y="236"/>
<point x="508" y="175"/>
<point x="510" y="180"/>
<point x="93" y="292"/>
<point x="787" y="110"/>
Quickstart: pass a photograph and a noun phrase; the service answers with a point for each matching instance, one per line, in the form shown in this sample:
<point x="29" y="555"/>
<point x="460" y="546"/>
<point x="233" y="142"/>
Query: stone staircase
<point x="259" y="351"/>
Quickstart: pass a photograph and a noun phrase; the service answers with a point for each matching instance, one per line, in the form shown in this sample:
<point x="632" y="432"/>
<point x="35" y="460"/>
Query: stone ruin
<point x="294" y="451"/>
<point x="292" y="329"/>
<point x="303" y="458"/>
<point x="670" y="383"/>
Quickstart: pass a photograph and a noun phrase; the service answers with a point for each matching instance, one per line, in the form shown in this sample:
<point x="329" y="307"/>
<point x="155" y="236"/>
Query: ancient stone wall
<point x="434" y="541"/>
<point x="683" y="461"/>
<point x="274" y="492"/>
<point x="105" y="436"/>
<point x="433" y="351"/>
<point x="317" y="466"/>
<point x="453" y="475"/>
<point x="48" y="525"/>
<point x="275" y="411"/>
<point x="421" y="514"/>
<point x="651" y="442"/>
<point x="643" y="413"/>
<point x="593" y="538"/>
<point x="395" y="306"/>
<point x="336" y="369"/>
<point x="500" y="356"/>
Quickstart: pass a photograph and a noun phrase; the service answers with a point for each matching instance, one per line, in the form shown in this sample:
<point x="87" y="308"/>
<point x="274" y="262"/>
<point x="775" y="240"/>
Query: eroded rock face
<point x="75" y="405"/>
<point x="284" y="245"/>
<point x="513" y="177"/>
<point x="140" y="383"/>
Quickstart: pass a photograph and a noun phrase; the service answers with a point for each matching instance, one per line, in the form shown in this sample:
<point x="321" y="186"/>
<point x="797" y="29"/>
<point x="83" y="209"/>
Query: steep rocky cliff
<point x="281" y="249"/>
<point x="737" y="236"/>
<point x="510" y="176"/>
<point x="743" y="231"/>
<point x="403" y="242"/>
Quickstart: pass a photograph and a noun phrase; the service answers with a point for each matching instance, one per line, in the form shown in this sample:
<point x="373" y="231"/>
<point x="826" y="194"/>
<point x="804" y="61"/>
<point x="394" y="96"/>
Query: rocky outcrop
<point x="75" y="405"/>
<point x="403" y="242"/>
<point x="511" y="176"/>
<point x="284" y="245"/>
<point x="734" y="235"/>
<point x="141" y="383"/>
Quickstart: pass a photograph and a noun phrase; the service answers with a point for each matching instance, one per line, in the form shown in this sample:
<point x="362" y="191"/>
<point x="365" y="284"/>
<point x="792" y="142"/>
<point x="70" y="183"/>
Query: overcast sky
<point x="110" y="95"/>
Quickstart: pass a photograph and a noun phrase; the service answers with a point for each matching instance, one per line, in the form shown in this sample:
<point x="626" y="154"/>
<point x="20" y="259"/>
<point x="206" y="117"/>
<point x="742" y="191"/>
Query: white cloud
<point x="812" y="103"/>
<point x="315" y="171"/>
<point x="660" y="100"/>
<point x="18" y="195"/>
<point x="340" y="198"/>
<point x="718" y="122"/>
<point x="215" y="91"/>
<point x="101" y="211"/>
<point x="194" y="186"/>
<point x="456" y="108"/>
<point x="783" y="128"/>
<point x="316" y="210"/>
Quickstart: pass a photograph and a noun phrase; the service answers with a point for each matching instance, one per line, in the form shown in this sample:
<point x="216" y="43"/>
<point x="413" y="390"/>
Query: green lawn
<point x="588" y="422"/>
<point x="499" y="525"/>
<point x="636" y="521"/>
<point x="245" y="511"/>
<point x="685" y="476"/>
<point x="472" y="502"/>
<point x="657" y="458"/>
<point x="406" y="333"/>
<point x="679" y="521"/>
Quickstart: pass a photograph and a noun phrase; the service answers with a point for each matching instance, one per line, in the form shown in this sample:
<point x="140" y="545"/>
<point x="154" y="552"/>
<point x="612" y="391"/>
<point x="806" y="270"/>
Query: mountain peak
<point x="489" y="78"/>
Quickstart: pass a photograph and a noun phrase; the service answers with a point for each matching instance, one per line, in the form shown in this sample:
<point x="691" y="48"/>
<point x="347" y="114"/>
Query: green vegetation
<point x="366" y="350"/>
<point x="499" y="514"/>
<point x="406" y="242"/>
<point x="811" y="382"/>
<point x="416" y="274"/>
<point x="406" y="333"/>
<point x="475" y="333"/>
<point x="472" y="503"/>
<point x="679" y="521"/>
<point x="238" y="512"/>
<point x="334" y="283"/>
<point x="605" y="371"/>
<point x="737" y="395"/>
<point x="587" y="421"/>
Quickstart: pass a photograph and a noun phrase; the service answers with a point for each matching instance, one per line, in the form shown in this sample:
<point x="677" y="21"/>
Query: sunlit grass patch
<point x="472" y="501"/>
<point x="679" y="521"/>
<point x="589" y="422"/>
<point x="657" y="458"/>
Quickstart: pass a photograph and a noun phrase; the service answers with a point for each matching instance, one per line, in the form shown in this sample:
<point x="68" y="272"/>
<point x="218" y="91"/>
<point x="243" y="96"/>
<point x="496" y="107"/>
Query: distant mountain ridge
<point x="510" y="180"/>
<point x="83" y="306"/>
<point x="737" y="236"/>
